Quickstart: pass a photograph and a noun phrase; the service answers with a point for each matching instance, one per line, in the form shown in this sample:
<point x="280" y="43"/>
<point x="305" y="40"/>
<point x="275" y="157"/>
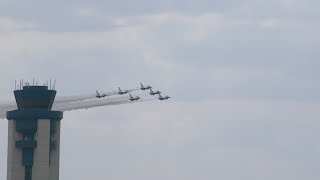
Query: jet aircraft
<point x="163" y="97"/>
<point x="134" y="98"/>
<point x="98" y="95"/>
<point x="122" y="91"/>
<point x="154" y="92"/>
<point x="144" y="87"/>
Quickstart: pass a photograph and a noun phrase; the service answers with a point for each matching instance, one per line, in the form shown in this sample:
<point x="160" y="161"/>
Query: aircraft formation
<point x="135" y="98"/>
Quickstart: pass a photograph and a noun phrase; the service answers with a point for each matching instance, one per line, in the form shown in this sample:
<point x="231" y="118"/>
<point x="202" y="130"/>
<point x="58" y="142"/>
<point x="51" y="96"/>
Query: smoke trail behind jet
<point x="64" y="99"/>
<point x="67" y="99"/>
<point x="7" y="107"/>
<point x="85" y="104"/>
<point x="92" y="104"/>
<point x="2" y="114"/>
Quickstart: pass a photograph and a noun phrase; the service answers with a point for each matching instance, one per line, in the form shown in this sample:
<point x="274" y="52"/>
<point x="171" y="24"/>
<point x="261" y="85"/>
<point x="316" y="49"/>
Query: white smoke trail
<point x="88" y="101"/>
<point x="67" y="99"/>
<point x="77" y="105"/>
<point x="86" y="104"/>
<point x="8" y="105"/>
<point x="92" y="104"/>
<point x="2" y="114"/>
<point x="61" y="99"/>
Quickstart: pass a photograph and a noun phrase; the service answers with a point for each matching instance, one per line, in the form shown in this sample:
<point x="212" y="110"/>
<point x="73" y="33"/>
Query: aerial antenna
<point x="33" y="82"/>
<point x="50" y="84"/>
<point x="54" y="85"/>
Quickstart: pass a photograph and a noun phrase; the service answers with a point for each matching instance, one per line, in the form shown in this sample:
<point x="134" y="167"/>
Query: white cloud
<point x="10" y="24"/>
<point x="190" y="27"/>
<point x="85" y="11"/>
<point x="270" y="23"/>
<point x="130" y="35"/>
<point x="291" y="3"/>
<point x="20" y="43"/>
<point x="121" y="21"/>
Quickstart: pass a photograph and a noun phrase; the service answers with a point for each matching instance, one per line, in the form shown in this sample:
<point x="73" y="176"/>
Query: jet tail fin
<point x="97" y="93"/>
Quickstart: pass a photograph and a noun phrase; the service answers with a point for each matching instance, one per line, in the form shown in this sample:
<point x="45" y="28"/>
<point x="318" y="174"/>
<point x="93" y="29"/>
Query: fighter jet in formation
<point x="122" y="91"/>
<point x="163" y="97"/>
<point x="134" y="98"/>
<point x="98" y="95"/>
<point x="154" y="92"/>
<point x="144" y="87"/>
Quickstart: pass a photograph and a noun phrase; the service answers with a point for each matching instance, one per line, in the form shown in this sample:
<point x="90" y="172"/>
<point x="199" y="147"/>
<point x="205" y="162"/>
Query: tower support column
<point x="40" y="169"/>
<point x="15" y="170"/>
<point x="55" y="153"/>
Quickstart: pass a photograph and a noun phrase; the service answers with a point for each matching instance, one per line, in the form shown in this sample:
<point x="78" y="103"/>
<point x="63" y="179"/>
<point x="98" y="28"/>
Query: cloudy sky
<point x="242" y="73"/>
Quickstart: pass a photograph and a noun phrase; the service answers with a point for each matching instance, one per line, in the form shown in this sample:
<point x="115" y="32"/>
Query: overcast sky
<point x="242" y="74"/>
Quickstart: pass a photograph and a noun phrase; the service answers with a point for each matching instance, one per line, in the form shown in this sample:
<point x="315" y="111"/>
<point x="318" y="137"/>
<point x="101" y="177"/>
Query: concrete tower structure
<point x="33" y="135"/>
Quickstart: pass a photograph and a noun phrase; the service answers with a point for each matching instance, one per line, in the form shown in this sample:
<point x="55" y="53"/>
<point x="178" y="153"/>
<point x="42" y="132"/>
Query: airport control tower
<point x="34" y="135"/>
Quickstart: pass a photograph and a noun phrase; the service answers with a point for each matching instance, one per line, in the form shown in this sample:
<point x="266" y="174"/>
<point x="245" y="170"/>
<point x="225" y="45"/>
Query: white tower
<point x="34" y="136"/>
